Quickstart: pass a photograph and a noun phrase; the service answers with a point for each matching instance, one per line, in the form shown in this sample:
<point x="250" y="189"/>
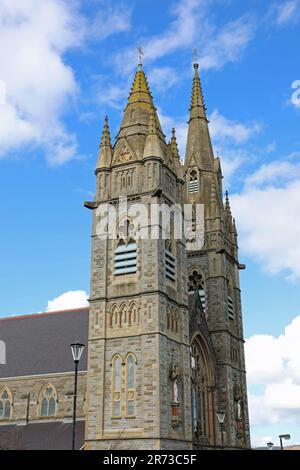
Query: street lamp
<point x="221" y="419"/>
<point x="283" y="436"/>
<point x="270" y="445"/>
<point x="77" y="350"/>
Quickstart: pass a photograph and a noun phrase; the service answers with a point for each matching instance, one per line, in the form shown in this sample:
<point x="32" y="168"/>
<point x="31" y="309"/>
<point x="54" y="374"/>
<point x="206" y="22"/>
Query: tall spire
<point x="198" y="141"/>
<point x="197" y="108"/>
<point x="136" y="115"/>
<point x="105" y="151"/>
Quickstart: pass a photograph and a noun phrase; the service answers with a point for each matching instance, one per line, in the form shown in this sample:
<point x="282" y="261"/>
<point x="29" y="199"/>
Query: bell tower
<point x="138" y="384"/>
<point x="213" y="275"/>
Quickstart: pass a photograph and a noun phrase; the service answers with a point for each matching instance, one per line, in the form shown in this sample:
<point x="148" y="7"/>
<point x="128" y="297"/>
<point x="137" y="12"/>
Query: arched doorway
<point x="202" y="393"/>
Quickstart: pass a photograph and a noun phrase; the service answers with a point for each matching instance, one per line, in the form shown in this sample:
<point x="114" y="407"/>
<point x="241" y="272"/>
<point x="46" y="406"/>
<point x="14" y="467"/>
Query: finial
<point x="227" y="203"/>
<point x="173" y="144"/>
<point x="196" y="65"/>
<point x="141" y="53"/>
<point x="105" y="140"/>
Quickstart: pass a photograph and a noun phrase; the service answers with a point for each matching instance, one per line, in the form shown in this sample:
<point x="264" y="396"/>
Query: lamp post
<point x="77" y="350"/>
<point x="283" y="436"/>
<point x="221" y="419"/>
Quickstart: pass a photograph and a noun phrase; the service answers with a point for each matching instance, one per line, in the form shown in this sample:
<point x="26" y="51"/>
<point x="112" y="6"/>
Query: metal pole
<point x="222" y="436"/>
<point x="74" y="405"/>
<point x="281" y="446"/>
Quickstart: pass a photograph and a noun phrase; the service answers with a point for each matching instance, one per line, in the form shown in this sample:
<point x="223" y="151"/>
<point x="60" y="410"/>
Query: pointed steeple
<point x="174" y="146"/>
<point x="227" y="204"/>
<point x="153" y="146"/>
<point x="197" y="108"/>
<point x="140" y="91"/>
<point x="175" y="154"/>
<point x="135" y="122"/>
<point x="105" y="151"/>
<point x="198" y="141"/>
<point x="228" y="214"/>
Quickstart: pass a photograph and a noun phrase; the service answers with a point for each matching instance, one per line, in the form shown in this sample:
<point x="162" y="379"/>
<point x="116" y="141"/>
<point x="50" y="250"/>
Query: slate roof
<point x="41" y="436"/>
<point x="40" y="343"/>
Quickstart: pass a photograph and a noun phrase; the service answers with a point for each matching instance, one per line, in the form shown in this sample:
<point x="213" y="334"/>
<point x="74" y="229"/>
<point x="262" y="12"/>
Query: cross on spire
<point x="141" y="53"/>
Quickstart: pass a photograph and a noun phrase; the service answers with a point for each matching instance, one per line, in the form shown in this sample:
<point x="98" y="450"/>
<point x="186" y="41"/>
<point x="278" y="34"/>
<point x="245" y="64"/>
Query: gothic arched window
<point x="197" y="283"/>
<point x="48" y="401"/>
<point x="201" y="393"/>
<point x="193" y="182"/>
<point x="130" y="384"/>
<point x="116" y="385"/>
<point x="5" y="404"/>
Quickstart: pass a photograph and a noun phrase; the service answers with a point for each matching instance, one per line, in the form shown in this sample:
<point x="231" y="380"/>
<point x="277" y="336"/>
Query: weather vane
<point x="195" y="55"/>
<point x="140" y="50"/>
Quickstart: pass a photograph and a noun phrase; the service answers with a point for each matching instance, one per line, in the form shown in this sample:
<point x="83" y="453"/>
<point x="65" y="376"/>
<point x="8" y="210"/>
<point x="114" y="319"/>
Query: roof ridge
<point x="44" y="314"/>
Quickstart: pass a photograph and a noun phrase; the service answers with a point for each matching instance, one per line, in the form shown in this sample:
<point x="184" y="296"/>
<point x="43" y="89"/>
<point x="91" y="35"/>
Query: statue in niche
<point x="175" y="377"/>
<point x="238" y="402"/>
<point x="175" y="391"/>
<point x="239" y="409"/>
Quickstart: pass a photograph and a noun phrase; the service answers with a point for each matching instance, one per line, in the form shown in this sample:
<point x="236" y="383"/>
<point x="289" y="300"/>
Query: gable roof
<point x="40" y="343"/>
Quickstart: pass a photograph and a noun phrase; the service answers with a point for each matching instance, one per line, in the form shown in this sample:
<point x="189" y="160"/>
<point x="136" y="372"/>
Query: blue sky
<point x="67" y="64"/>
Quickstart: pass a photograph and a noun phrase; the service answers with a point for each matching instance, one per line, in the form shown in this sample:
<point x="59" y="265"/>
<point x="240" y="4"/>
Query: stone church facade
<point x="165" y="334"/>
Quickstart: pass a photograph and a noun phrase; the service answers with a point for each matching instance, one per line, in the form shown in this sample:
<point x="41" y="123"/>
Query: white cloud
<point x="68" y="300"/>
<point x="229" y="138"/>
<point x="110" y="20"/>
<point x="231" y="161"/>
<point x="285" y="12"/>
<point x="180" y="124"/>
<point x="261" y="441"/>
<point x="111" y="95"/>
<point x="271" y="234"/>
<point x="34" y="37"/>
<point x="218" y="45"/>
<point x="227" y="44"/>
<point x="227" y="135"/>
<point x="274" y="363"/>
<point x="163" y="78"/>
<point x="222" y="128"/>
<point x="275" y="173"/>
<point x="40" y="86"/>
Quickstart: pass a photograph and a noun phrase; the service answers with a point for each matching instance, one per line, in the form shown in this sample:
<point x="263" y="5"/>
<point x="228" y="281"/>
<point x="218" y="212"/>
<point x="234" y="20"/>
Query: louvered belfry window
<point x="125" y="261"/>
<point x="194" y="182"/>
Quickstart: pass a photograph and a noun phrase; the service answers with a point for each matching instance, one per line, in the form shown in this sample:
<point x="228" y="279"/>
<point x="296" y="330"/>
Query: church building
<point x="164" y="363"/>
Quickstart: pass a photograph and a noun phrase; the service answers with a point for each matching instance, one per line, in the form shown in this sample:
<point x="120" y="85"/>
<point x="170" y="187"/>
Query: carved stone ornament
<point x="174" y="371"/>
